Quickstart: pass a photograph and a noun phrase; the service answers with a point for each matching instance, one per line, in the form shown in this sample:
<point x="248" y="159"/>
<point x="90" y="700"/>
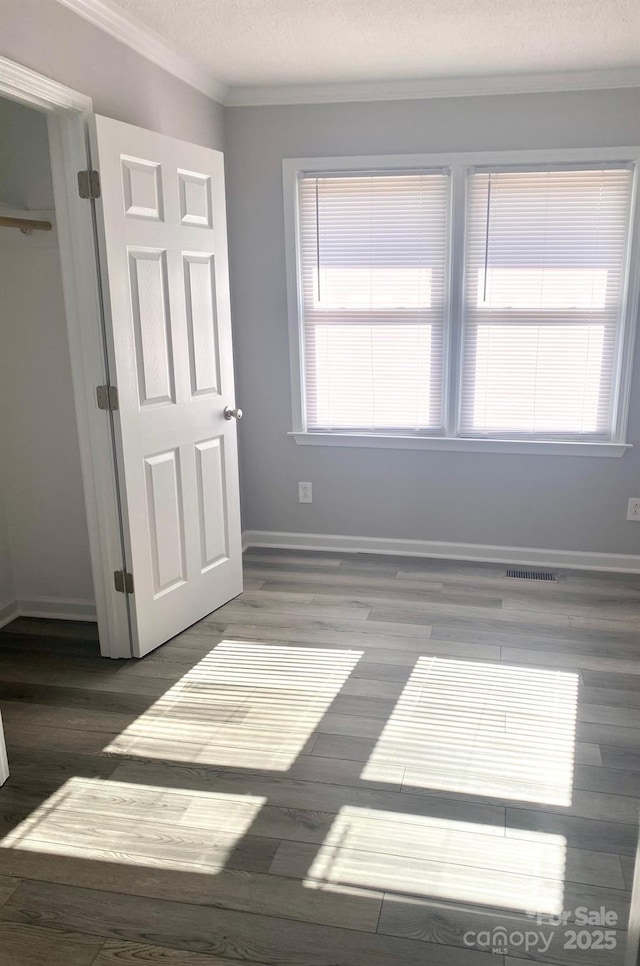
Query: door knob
<point x="232" y="413"/>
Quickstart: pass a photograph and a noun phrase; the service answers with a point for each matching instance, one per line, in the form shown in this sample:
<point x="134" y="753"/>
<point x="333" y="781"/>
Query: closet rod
<point x="26" y="225"/>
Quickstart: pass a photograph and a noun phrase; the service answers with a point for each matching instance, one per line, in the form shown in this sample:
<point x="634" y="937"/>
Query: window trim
<point x="459" y="165"/>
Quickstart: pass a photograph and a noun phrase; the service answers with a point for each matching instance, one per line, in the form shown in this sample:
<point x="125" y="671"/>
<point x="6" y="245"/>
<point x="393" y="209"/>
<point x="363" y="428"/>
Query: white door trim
<point x="35" y="90"/>
<point x="66" y="112"/>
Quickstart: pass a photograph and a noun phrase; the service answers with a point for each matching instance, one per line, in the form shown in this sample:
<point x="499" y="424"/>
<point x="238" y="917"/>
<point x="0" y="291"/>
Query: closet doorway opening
<point x="60" y="528"/>
<point x="45" y="559"/>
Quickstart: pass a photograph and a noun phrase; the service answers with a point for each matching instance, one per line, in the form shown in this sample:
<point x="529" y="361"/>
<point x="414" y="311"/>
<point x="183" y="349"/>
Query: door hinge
<point x="107" y="397"/>
<point x="123" y="582"/>
<point x="89" y="184"/>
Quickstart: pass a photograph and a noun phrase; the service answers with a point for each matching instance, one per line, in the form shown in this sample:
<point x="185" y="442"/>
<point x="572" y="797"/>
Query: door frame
<point x="66" y="111"/>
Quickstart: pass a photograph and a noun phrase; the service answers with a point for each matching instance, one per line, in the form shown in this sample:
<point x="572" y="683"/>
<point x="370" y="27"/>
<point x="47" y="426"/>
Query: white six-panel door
<point x="162" y="222"/>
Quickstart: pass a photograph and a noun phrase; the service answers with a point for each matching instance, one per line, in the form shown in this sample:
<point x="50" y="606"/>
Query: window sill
<point x="456" y="445"/>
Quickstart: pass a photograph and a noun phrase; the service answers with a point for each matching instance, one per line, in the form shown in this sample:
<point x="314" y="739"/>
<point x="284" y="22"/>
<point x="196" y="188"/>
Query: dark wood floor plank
<point x="37" y="765"/>
<point x="90" y="743"/>
<point x="25" y="944"/>
<point x="19" y="715"/>
<point x="371" y="670"/>
<point x="346" y="748"/>
<point x="129" y="683"/>
<point x="580" y="833"/>
<point x="621" y="757"/>
<point x="240" y="610"/>
<point x="606" y="734"/>
<point x="376" y="648"/>
<point x="569" y="660"/>
<point x="418" y="602"/>
<point x="305" y="621"/>
<point x="488" y="617"/>
<point x="8" y="885"/>
<point x="64" y="697"/>
<point x="530" y="631"/>
<point x="598" y="806"/>
<point x="596" y="779"/>
<point x="340" y="585"/>
<point x="364" y="687"/>
<point x="597" y="606"/>
<point x="118" y="953"/>
<point x="343" y="771"/>
<point x="624" y="717"/>
<point x="232" y="935"/>
<point x="610" y="681"/>
<point x="232" y="889"/>
<point x="611" y="697"/>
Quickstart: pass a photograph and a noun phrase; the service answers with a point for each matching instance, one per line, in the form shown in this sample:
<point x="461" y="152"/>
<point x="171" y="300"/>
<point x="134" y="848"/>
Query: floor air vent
<point x="531" y="574"/>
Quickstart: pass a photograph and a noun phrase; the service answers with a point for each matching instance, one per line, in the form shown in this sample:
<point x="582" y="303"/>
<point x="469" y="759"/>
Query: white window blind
<point x="545" y="266"/>
<point x="373" y="265"/>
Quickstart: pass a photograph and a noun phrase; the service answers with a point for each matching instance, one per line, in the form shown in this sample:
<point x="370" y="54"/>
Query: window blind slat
<point x="544" y="271"/>
<point x="373" y="264"/>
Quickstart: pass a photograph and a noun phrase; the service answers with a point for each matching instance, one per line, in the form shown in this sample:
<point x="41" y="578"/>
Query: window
<point x="373" y="253"/>
<point x="545" y="260"/>
<point x="456" y="304"/>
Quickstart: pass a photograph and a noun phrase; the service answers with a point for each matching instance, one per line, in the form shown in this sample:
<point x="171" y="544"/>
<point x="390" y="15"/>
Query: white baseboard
<point x="570" y="559"/>
<point x="8" y="612"/>
<point x="57" y="608"/>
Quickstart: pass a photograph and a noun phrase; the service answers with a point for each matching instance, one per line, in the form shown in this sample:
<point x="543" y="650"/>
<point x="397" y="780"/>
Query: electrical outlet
<point x="633" y="511"/>
<point x="305" y="493"/>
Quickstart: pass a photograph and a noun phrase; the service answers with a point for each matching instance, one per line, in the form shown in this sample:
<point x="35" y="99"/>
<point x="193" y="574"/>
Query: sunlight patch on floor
<point x="432" y="857"/>
<point x="246" y="703"/>
<point x="110" y="821"/>
<point x="483" y="729"/>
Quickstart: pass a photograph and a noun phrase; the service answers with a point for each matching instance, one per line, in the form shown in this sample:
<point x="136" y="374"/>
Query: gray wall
<point x="570" y="503"/>
<point x="25" y="170"/>
<point x="50" y="38"/>
<point x="40" y="473"/>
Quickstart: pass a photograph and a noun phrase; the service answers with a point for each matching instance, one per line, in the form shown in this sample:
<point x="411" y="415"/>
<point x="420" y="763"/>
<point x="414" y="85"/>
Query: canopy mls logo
<point x="599" y="933"/>
<point x="499" y="941"/>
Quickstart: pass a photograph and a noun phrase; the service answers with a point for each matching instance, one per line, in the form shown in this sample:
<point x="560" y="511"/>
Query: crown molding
<point x="399" y="90"/>
<point x="148" y="44"/>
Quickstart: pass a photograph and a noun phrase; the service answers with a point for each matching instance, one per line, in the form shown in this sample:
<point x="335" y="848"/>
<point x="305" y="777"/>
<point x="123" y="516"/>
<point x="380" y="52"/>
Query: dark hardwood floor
<point x="361" y="761"/>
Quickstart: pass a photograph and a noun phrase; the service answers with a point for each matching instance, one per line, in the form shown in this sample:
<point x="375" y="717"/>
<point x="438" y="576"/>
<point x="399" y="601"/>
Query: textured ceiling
<point x="255" y="42"/>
